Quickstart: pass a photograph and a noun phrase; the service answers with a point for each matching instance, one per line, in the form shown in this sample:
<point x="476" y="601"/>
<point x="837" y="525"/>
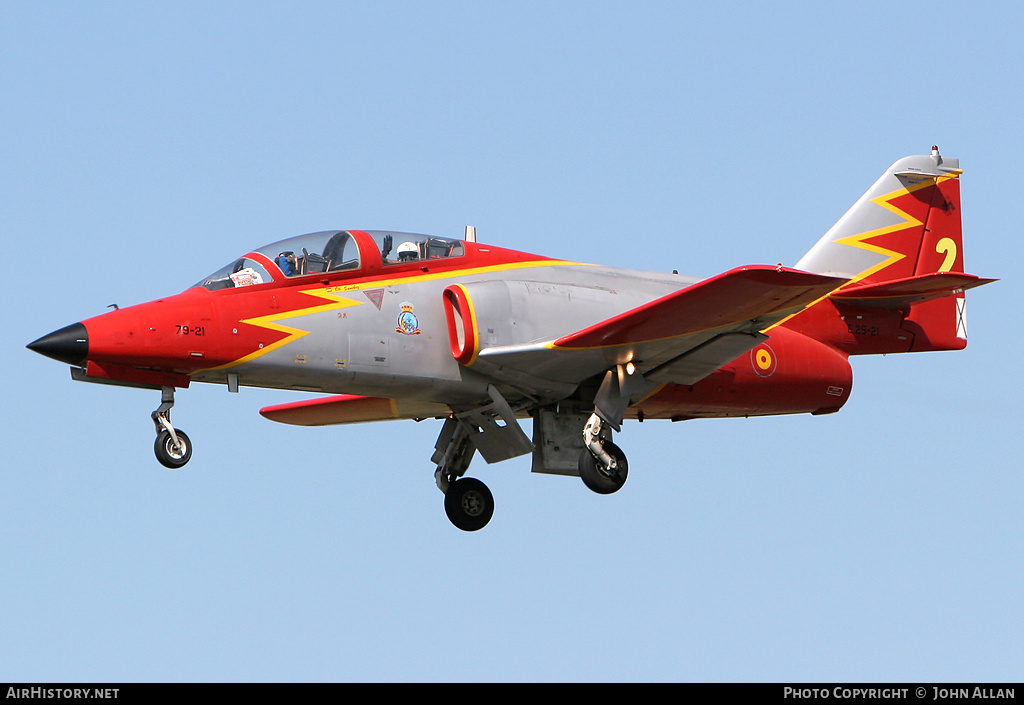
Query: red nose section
<point x="166" y="341"/>
<point x="172" y="334"/>
<point x="159" y="343"/>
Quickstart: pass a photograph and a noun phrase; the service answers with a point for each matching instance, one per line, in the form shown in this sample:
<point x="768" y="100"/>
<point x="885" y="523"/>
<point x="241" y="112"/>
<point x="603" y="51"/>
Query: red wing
<point x="737" y="296"/>
<point x="679" y="338"/>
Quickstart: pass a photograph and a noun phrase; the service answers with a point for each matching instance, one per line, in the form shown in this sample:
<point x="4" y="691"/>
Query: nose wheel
<point x="172" y="447"/>
<point x="172" y="451"/>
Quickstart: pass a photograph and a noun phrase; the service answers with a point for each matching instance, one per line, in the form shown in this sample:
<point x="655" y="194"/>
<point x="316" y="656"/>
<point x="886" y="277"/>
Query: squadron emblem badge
<point x="408" y="324"/>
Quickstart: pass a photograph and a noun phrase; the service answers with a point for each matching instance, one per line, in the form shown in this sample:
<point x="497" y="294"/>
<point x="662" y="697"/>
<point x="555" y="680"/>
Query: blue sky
<point x="145" y="145"/>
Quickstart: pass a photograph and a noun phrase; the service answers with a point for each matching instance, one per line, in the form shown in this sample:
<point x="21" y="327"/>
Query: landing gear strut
<point x="603" y="466"/>
<point x="467" y="501"/>
<point x="492" y="429"/>
<point x="172" y="447"/>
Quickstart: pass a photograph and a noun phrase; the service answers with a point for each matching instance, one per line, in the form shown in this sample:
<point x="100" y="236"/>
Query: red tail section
<point x="901" y="246"/>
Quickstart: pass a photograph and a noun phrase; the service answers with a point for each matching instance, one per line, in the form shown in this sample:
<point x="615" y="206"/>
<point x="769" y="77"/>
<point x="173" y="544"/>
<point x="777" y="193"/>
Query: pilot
<point x="408" y="252"/>
<point x="286" y="261"/>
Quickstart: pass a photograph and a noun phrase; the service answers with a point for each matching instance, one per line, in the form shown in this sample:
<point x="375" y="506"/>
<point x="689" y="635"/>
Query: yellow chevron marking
<point x="861" y="240"/>
<point x="335" y="294"/>
<point x="270" y="322"/>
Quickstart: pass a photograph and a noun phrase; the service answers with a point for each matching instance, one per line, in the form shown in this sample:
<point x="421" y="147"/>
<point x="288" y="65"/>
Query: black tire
<point x="468" y="504"/>
<point x="167" y="454"/>
<point x="596" y="478"/>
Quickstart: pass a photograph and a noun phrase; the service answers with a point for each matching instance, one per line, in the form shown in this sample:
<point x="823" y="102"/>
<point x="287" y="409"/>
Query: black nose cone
<point x="69" y="344"/>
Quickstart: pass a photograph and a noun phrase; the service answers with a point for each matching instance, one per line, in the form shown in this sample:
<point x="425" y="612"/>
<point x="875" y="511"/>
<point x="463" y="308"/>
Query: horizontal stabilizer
<point x="902" y="292"/>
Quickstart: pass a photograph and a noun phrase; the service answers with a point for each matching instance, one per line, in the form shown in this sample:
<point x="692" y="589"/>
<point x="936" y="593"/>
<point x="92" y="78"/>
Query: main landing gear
<point x="470" y="505"/>
<point x="603" y="466"/>
<point x="172" y="447"/>
<point x="494" y="431"/>
<point x="467" y="501"/>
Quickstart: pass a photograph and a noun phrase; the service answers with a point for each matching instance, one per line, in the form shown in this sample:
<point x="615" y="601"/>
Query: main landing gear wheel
<point x="468" y="504"/>
<point x="172" y="455"/>
<point x="603" y="480"/>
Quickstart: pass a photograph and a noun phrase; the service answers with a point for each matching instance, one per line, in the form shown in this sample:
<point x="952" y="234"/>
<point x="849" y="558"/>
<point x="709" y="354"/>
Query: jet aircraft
<point x="391" y="325"/>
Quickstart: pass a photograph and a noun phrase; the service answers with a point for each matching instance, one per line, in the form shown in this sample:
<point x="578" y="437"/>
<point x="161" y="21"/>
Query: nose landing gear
<point x="172" y="447"/>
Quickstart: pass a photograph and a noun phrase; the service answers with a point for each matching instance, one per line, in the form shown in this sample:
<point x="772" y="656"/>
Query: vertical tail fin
<point x="901" y="247"/>
<point x="908" y="223"/>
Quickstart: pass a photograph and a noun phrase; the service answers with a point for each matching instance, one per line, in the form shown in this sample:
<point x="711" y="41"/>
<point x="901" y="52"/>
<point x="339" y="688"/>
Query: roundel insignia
<point x="763" y="360"/>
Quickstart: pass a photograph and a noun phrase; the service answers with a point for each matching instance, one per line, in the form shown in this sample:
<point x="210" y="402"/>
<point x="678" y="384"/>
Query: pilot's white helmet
<point x="408" y="251"/>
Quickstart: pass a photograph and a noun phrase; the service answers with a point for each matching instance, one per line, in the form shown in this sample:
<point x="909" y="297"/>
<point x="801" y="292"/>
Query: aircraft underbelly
<point x="788" y="373"/>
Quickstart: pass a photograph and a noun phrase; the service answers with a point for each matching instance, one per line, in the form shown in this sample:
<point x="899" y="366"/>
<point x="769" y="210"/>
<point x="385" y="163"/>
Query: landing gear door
<point x="557" y="442"/>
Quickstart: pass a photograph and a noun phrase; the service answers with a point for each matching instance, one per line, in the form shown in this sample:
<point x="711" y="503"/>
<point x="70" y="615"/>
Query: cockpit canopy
<point x="327" y="252"/>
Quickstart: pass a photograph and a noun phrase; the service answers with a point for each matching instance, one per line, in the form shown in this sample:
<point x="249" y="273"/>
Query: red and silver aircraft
<point x="401" y="326"/>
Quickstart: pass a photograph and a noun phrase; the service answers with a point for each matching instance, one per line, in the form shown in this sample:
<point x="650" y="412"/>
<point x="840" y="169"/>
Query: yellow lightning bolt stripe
<point x="885" y="201"/>
<point x="861" y="239"/>
<point x="270" y="322"/>
<point x="331" y="293"/>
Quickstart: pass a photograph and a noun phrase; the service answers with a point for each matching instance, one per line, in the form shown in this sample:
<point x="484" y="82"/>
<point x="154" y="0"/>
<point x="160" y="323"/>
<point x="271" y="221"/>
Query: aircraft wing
<point x="680" y="338"/>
